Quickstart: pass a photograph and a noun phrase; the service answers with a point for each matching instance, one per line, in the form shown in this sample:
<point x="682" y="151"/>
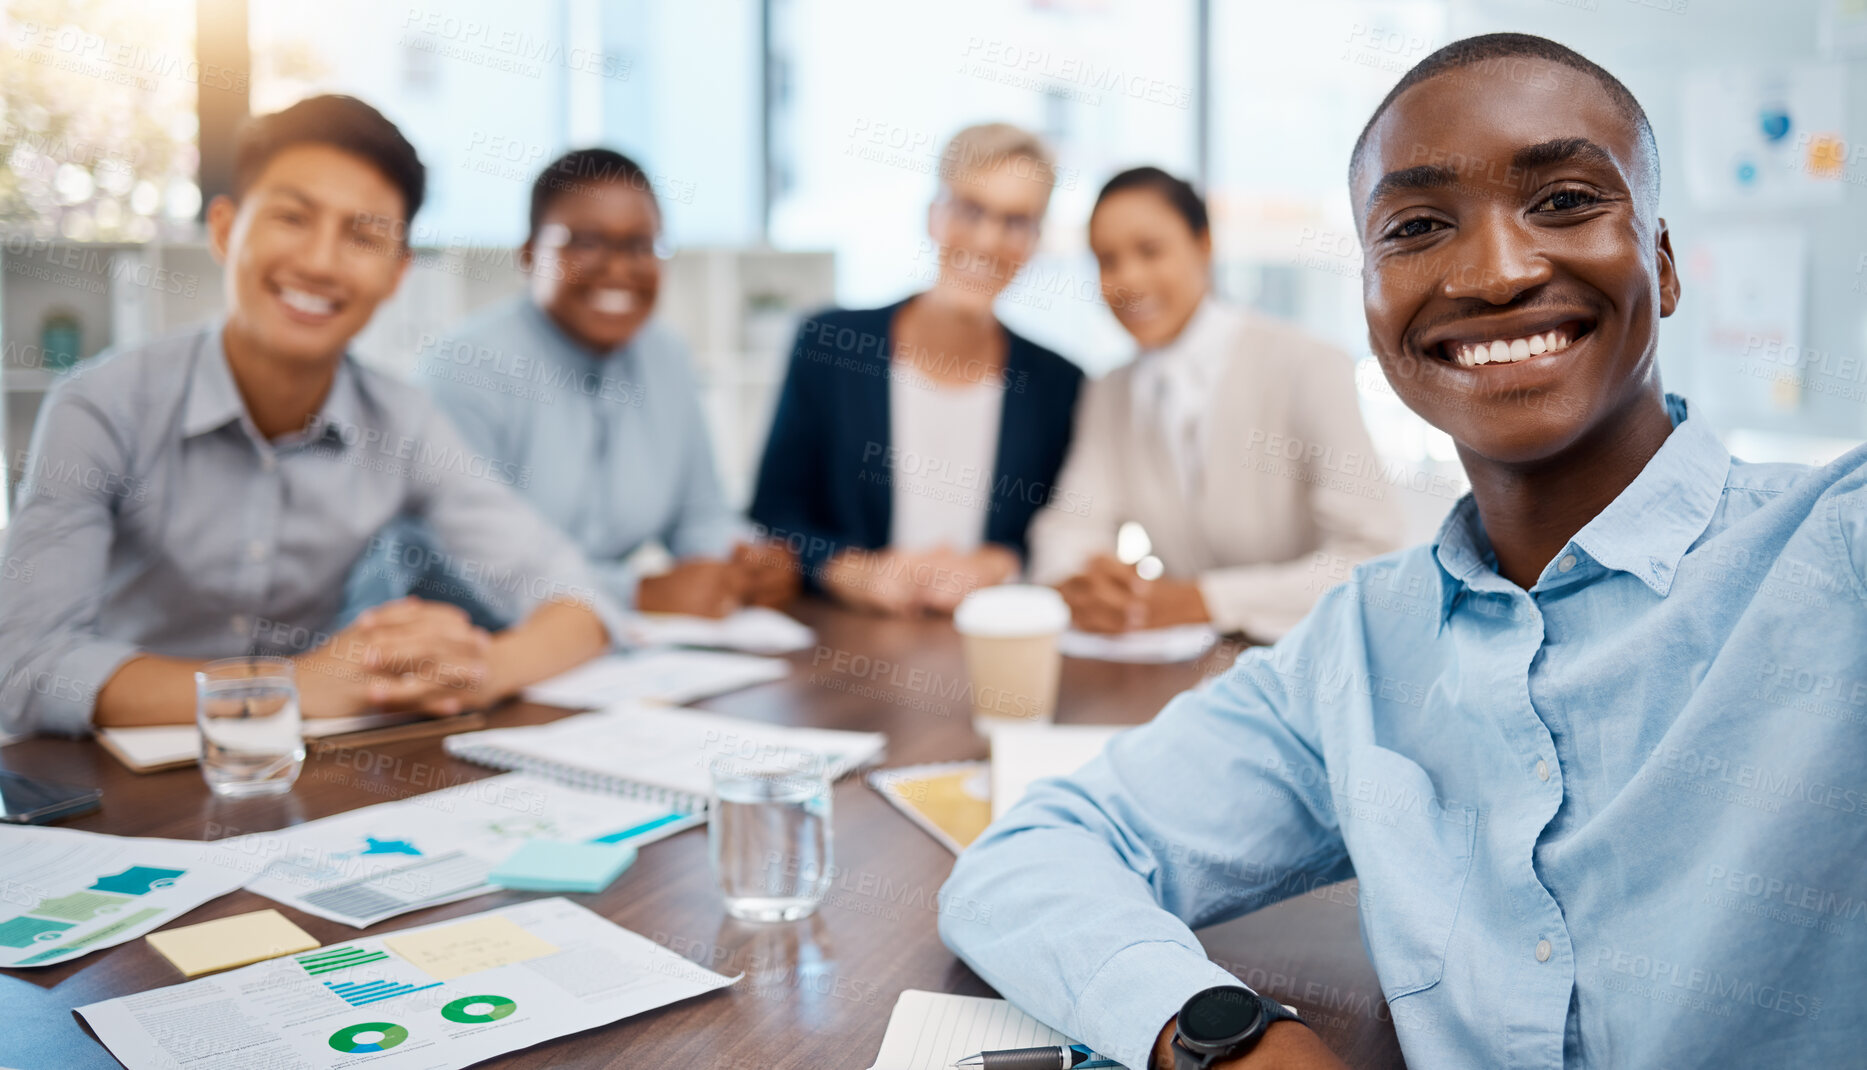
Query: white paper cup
<point x="1010" y="637"/>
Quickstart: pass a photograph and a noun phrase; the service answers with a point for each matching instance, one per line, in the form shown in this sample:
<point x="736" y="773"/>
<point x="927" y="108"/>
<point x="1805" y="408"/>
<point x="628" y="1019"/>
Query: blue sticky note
<point x="554" y="866"/>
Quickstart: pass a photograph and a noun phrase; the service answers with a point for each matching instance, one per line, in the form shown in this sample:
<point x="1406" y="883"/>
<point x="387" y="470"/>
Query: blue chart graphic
<point x="374" y="846"/>
<point x="358" y="993"/>
<point x="137" y="880"/>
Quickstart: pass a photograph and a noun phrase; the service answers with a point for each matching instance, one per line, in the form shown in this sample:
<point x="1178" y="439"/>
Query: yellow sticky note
<point x="228" y="942"/>
<point x="457" y="950"/>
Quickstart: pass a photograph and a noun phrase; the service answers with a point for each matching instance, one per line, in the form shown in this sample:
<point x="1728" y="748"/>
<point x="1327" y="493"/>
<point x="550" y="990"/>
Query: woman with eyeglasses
<point x="1233" y="440"/>
<point x="591" y="409"/>
<point x="912" y="444"/>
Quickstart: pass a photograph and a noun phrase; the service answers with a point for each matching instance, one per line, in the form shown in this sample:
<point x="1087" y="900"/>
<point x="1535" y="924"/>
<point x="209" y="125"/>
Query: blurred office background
<point x="792" y="144"/>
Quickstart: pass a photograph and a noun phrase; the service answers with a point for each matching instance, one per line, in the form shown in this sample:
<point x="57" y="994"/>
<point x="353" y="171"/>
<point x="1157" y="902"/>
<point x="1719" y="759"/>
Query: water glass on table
<point x="769" y="835"/>
<point x="252" y="740"/>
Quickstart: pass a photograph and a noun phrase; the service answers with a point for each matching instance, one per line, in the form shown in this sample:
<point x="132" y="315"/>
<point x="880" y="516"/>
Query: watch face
<point x="1218" y="1014"/>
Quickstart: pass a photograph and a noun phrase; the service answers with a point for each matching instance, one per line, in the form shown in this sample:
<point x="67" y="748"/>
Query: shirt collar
<point x="1644" y="531"/>
<point x="561" y="347"/>
<point x="1200" y="347"/>
<point x="214" y="398"/>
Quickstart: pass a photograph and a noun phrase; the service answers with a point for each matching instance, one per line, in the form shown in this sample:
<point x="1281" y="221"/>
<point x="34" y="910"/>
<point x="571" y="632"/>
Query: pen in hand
<point x="1054" y="1057"/>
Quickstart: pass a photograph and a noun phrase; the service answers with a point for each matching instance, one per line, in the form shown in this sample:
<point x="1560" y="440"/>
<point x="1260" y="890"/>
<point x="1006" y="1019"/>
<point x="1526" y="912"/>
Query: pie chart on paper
<point x="478" y="1009"/>
<point x="368" y="1036"/>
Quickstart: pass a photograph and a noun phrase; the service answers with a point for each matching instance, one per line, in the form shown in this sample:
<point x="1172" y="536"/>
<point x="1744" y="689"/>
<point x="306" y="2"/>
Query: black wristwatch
<point x="1223" y="1023"/>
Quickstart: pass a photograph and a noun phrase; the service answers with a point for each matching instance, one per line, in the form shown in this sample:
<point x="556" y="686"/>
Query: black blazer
<point x="825" y="484"/>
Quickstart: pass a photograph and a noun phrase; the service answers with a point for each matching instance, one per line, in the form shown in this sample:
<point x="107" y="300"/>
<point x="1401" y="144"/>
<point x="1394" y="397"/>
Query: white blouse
<point x="945" y="443"/>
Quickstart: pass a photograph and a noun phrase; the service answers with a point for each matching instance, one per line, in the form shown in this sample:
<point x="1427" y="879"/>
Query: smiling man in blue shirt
<point x="1597" y="755"/>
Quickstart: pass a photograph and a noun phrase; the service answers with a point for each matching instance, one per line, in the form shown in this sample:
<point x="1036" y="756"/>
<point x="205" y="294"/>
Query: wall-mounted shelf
<point x="738" y="310"/>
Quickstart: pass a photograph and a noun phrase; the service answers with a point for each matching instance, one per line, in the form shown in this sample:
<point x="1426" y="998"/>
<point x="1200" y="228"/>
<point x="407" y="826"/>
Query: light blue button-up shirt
<point x="1616" y="820"/>
<point x="155" y="517"/>
<point x="617" y="445"/>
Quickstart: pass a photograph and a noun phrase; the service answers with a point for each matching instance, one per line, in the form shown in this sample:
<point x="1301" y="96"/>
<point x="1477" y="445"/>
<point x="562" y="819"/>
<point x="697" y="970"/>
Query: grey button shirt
<point x="617" y="445"/>
<point x="154" y="517"/>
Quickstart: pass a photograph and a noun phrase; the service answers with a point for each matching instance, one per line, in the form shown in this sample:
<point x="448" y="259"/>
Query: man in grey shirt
<point x="573" y="382"/>
<point x="205" y="495"/>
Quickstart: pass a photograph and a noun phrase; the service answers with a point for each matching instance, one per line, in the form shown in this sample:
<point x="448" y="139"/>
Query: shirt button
<point x="1542" y="951"/>
<point x="1567" y="562"/>
<point x="256" y="549"/>
<point x="267" y="462"/>
<point x="238" y="623"/>
<point x="1542" y="769"/>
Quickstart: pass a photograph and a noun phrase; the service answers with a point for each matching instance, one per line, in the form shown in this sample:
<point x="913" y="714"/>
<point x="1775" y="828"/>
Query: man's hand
<point x="409" y="654"/>
<point x="769" y="572"/>
<point x="699" y="586"/>
<point x="1284" y="1046"/>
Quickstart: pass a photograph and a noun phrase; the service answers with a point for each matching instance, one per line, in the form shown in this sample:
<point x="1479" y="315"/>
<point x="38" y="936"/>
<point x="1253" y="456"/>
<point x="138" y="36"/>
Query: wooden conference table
<point x="816" y="993"/>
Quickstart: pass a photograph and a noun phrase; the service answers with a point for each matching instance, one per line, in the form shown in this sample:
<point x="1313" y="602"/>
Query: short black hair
<point x="342" y="122"/>
<point x="1177" y="192"/>
<point x="1491" y="49"/>
<point x="581" y="169"/>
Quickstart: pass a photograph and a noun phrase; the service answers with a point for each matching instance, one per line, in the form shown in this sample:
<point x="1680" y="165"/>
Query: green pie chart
<point x="478" y="1009"/>
<point x="385" y="1035"/>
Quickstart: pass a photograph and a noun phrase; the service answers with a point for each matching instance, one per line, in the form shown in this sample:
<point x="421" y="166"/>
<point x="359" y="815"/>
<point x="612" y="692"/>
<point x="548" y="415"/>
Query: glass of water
<point x="769" y="835"/>
<point x="252" y="742"/>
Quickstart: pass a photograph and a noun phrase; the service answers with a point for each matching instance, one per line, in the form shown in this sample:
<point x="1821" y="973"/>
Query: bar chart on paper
<point x="337" y="958"/>
<point x="357" y="993"/>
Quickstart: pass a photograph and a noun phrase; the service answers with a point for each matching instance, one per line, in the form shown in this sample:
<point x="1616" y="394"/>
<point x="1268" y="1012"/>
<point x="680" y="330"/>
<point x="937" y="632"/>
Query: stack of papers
<point x="367" y="865"/>
<point x="1023" y="754"/>
<point x="155" y="747"/>
<point x="755" y="630"/>
<point x="658" y="753"/>
<point x="1149" y="646"/>
<point x="671" y="676"/>
<point x="437" y="997"/>
<point x="69" y="892"/>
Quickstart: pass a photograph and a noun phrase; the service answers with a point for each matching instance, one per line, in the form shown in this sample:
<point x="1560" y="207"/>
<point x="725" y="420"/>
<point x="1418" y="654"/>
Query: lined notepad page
<point x="931" y="1030"/>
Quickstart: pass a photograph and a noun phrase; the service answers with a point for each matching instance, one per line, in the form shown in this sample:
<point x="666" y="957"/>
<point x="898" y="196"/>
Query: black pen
<point x="1054" y="1057"/>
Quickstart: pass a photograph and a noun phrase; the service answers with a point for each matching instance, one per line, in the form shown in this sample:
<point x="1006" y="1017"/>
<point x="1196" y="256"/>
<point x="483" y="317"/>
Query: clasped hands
<point x="756" y="574"/>
<point x="900" y="582"/>
<point x="409" y="655"/>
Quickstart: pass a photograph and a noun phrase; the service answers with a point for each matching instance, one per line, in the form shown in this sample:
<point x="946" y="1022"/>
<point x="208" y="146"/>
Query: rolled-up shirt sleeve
<point x="514" y="558"/>
<point x="52" y="661"/>
<point x="1079" y="904"/>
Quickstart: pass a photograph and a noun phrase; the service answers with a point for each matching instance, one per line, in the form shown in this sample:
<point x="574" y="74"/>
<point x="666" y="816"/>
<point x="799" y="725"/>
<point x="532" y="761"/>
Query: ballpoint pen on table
<point x="1054" y="1057"/>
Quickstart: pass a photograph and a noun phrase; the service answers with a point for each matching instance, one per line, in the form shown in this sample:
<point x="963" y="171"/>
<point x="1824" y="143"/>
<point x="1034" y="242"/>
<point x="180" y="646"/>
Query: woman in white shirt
<point x="1234" y="440"/>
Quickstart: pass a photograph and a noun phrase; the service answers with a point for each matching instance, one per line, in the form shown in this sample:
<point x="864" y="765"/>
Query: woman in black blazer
<point x="912" y="444"/>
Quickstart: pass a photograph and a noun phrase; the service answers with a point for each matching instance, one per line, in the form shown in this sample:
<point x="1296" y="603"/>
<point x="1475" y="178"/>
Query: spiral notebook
<point x="656" y="752"/>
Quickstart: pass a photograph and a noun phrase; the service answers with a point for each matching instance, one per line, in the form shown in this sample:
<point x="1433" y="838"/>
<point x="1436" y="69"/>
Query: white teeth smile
<point x="308" y="303"/>
<point x="1509" y="351"/>
<point x="612" y="302"/>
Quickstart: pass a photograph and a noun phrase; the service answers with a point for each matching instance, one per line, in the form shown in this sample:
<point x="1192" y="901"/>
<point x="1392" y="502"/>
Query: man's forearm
<point x="148" y="690"/>
<point x="557" y="636"/>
